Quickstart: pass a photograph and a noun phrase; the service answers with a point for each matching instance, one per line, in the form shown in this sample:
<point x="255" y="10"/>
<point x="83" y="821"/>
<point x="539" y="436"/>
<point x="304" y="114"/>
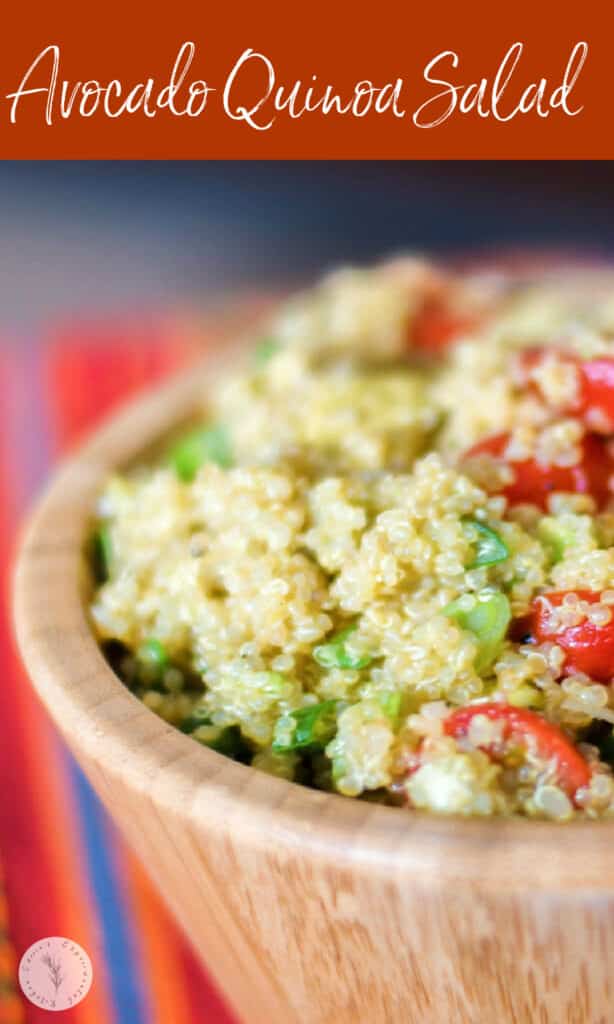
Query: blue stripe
<point x="119" y="942"/>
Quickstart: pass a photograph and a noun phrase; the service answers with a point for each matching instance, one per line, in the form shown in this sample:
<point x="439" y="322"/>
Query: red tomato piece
<point x="530" y="358"/>
<point x="595" y="402"/>
<point x="597" y="387"/>
<point x="436" y="326"/>
<point x="588" y="648"/>
<point x="528" y="728"/>
<point x="527" y="360"/>
<point x="534" y="482"/>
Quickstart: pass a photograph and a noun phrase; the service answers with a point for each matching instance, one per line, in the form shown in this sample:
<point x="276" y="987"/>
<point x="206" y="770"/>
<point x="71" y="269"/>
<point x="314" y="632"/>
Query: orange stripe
<point x="161" y="949"/>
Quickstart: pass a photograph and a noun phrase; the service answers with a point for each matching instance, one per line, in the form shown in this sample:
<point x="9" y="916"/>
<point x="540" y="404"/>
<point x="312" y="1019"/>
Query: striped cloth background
<point x="65" y="870"/>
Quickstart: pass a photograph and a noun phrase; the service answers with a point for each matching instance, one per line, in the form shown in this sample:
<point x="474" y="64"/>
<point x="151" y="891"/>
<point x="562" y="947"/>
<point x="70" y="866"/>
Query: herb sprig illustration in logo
<point x="55" y="970"/>
<point x="55" y="973"/>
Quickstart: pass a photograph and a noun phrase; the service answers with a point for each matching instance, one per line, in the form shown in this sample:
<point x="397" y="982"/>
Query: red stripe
<point x="45" y="885"/>
<point x="95" y="366"/>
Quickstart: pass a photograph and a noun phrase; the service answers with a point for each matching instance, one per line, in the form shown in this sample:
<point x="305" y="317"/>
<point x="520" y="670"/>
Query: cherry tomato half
<point x="534" y="482"/>
<point x="527" y="728"/>
<point x="588" y="648"/>
<point x="436" y="325"/>
<point x="595" y="399"/>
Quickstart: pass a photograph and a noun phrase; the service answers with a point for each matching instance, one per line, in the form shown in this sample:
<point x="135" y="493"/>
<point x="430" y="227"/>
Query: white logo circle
<point x="55" y="973"/>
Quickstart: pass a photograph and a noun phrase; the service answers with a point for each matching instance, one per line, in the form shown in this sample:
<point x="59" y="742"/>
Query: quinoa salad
<point x="380" y="562"/>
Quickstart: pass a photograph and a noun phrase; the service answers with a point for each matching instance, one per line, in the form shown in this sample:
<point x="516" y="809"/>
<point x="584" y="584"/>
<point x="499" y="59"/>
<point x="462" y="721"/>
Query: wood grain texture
<point x="310" y="908"/>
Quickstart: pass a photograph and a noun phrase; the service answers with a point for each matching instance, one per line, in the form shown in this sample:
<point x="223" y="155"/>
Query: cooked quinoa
<point x="382" y="562"/>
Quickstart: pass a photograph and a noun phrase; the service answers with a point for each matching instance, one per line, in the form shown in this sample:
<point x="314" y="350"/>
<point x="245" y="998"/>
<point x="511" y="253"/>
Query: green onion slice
<point x="102" y="553"/>
<point x="487" y="616"/>
<point x="390" y="704"/>
<point x="204" y="444"/>
<point x="489" y="546"/>
<point x="335" y="653"/>
<point x="152" y="654"/>
<point x="313" y="727"/>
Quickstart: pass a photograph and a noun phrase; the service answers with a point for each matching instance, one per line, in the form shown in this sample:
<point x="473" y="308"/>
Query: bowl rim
<point x="112" y="732"/>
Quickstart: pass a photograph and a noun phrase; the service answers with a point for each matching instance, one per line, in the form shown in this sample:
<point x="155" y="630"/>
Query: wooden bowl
<point x="309" y="908"/>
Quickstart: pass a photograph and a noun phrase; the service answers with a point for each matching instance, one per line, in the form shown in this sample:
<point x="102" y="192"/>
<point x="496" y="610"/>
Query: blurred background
<point x="83" y="235"/>
<point x="111" y="276"/>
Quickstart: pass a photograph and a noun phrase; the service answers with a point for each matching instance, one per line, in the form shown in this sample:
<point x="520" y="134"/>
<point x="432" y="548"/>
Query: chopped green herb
<point x="274" y="683"/>
<point x="152" y="655"/>
<point x="205" y="444"/>
<point x="154" y="670"/>
<point x="336" y="654"/>
<point x="487" y="616"/>
<point x="102" y="553"/>
<point x="264" y="351"/>
<point x="489" y="547"/>
<point x="309" y="728"/>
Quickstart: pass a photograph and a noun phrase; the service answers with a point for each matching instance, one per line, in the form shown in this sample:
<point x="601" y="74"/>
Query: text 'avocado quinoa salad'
<point x="383" y="563"/>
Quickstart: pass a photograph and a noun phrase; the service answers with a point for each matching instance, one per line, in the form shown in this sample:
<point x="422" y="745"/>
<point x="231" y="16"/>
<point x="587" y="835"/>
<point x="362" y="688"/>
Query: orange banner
<point x="324" y="80"/>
